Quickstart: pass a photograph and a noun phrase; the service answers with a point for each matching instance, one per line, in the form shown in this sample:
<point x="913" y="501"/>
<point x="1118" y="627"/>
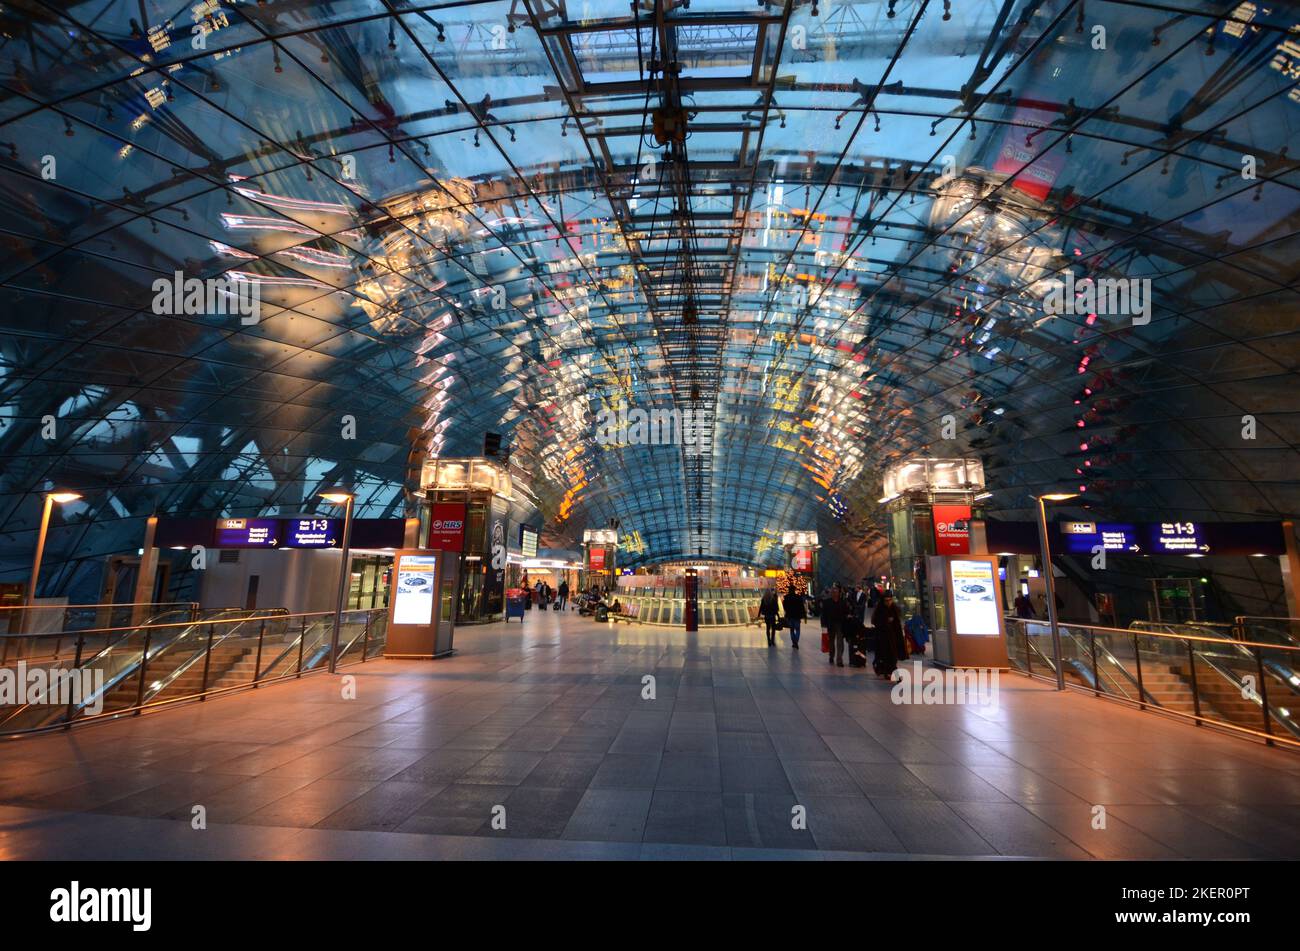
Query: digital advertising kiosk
<point x="970" y="631"/>
<point x="422" y="605"/>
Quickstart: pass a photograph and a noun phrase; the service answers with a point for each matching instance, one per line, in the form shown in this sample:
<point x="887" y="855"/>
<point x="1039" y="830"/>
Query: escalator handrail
<point x="232" y="629"/>
<point x="1229" y="675"/>
<point x="152" y="621"/>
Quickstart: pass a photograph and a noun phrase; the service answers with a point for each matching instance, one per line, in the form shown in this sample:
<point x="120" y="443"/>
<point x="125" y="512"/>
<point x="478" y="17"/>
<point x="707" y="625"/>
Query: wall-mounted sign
<point x="802" y="559"/>
<point x="1178" y="538"/>
<point x="414" y="594"/>
<point x="447" y="526"/>
<point x="312" y="533"/>
<point x="527" y="542"/>
<point x="596" y="559"/>
<point x="951" y="529"/>
<point x="247" y="533"/>
<point x="974" y="598"/>
<point x="1080" y="538"/>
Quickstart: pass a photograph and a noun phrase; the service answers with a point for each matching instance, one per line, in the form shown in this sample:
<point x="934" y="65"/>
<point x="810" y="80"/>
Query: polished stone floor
<point x="544" y="725"/>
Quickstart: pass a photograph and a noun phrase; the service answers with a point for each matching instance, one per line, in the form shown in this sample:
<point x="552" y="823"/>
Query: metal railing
<point x="1208" y="677"/>
<point x="68" y="618"/>
<point x="120" y="671"/>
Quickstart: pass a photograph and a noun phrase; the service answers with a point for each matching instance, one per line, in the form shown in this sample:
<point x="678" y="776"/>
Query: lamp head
<point x="338" y="498"/>
<point x="1059" y="496"/>
<point x="65" y="497"/>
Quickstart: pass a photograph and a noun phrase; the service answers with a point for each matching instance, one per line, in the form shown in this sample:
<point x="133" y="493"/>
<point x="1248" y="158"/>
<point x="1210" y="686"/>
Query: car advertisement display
<point x="414" y="593"/>
<point x="974" y="598"/>
<point x="447" y="526"/>
<point x="951" y="529"/>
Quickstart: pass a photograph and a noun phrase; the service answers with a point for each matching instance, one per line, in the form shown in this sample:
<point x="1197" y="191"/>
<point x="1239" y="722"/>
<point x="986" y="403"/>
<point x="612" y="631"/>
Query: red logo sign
<point x="447" y="526"/>
<point x="596" y="561"/>
<point x="951" y="529"/>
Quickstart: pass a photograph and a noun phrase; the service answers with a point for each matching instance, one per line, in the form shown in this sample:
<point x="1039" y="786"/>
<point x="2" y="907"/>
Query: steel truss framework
<point x="460" y="220"/>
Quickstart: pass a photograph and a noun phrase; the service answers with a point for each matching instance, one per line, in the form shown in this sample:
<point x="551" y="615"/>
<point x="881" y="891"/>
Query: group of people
<point x="543" y="594"/>
<point x="844" y="612"/>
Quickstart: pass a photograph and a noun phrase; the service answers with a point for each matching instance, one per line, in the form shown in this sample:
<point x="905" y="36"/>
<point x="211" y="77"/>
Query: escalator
<point x="168" y="645"/>
<point x="1237" y="682"/>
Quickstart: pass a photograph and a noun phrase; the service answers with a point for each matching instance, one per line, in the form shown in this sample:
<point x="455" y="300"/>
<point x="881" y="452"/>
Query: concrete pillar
<point x="145" y="575"/>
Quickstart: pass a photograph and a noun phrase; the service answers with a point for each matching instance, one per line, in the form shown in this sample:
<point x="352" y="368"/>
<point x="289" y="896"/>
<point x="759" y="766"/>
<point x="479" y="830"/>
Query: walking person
<point x="769" y="608"/>
<point x="564" y="593"/>
<point x="834" y="614"/>
<point x="888" y="623"/>
<point x="795" y="612"/>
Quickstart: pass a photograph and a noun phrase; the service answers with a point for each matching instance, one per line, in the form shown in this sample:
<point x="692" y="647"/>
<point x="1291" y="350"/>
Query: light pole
<point x="1046" y="548"/>
<point x="345" y="499"/>
<point x="50" y="498"/>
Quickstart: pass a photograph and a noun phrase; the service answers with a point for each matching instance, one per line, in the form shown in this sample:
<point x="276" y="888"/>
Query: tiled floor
<point x="544" y="724"/>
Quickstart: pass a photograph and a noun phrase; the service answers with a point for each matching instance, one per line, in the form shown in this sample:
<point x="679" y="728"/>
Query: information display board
<point x="974" y="598"/>
<point x="527" y="542"/>
<point x="1178" y="538"/>
<point x="414" y="592"/>
<point x="247" y="533"/>
<point x="1080" y="538"/>
<point x="312" y="533"/>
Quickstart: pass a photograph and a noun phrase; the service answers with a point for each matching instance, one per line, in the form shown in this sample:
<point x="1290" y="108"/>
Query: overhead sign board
<point x="1081" y="538"/>
<point x="1178" y="538"/>
<point x="312" y="533"/>
<point x="527" y="542"/>
<point x="247" y="533"/>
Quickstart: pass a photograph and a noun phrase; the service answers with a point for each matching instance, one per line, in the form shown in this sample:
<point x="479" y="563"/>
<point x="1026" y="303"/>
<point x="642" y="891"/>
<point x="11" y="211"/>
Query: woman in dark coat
<point x="890" y="646"/>
<point x="769" y="609"/>
<point x="794" y="614"/>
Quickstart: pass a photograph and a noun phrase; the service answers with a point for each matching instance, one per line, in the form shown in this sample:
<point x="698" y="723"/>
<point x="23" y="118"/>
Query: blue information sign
<point x="312" y="533"/>
<point x="1178" y="538"/>
<point x="247" y="533"/>
<point x="1080" y="538"/>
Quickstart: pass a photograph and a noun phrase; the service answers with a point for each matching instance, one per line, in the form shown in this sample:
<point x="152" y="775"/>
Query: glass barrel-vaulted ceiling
<point x="825" y="229"/>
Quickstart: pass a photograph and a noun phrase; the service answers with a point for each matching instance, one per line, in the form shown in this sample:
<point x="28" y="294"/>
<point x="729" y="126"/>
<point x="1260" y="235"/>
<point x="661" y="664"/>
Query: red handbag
<point x="826" y="642"/>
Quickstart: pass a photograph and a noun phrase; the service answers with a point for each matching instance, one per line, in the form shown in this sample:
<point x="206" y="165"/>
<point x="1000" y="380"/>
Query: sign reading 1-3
<point x="1178" y="538"/>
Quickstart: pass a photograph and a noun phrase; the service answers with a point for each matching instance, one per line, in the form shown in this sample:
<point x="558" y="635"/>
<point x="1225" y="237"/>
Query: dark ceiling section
<point x="818" y="231"/>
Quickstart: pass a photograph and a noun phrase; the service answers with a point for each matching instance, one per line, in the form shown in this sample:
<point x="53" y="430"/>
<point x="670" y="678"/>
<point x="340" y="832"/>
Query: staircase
<point x="231" y="663"/>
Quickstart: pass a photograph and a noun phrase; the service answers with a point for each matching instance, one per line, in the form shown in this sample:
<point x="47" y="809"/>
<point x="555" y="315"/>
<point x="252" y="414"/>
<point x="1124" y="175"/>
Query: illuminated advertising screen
<point x="951" y="529"/>
<point x="596" y="559"/>
<point x="447" y="526"/>
<point x="247" y="533"/>
<point x="528" y="542"/>
<point x="1080" y="538"/>
<point x="413" y="595"/>
<point x="312" y="533"/>
<point x="1178" y="538"/>
<point x="802" y="559"/>
<point x="974" y="598"/>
